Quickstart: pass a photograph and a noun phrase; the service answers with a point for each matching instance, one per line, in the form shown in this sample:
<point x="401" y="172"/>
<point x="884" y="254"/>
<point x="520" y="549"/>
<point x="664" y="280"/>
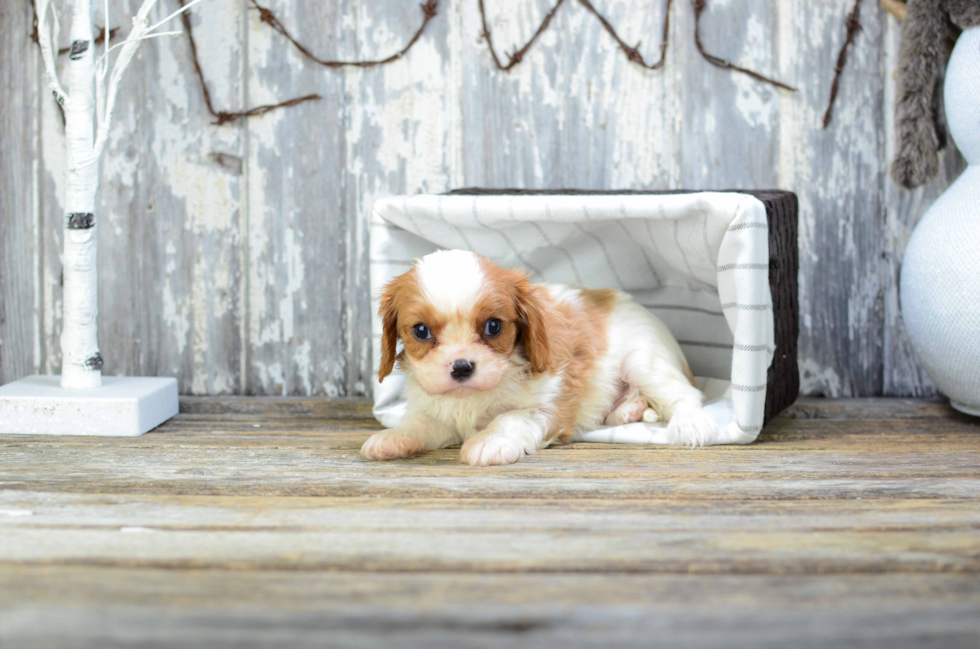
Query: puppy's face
<point x="464" y="322"/>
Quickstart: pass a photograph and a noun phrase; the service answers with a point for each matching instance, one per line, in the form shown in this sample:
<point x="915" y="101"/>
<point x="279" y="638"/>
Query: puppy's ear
<point x="389" y="335"/>
<point x="533" y="319"/>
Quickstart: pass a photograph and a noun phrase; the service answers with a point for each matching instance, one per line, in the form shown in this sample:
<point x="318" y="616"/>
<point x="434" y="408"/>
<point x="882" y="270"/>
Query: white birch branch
<point x="88" y="115"/>
<point x="141" y="31"/>
<point x="47" y="54"/>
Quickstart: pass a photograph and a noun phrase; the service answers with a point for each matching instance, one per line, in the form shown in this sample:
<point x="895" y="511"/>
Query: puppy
<point x="505" y="367"/>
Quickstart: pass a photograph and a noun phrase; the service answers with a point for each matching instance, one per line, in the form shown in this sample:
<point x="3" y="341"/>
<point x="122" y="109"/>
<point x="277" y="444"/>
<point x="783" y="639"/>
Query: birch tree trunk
<point x="81" y="361"/>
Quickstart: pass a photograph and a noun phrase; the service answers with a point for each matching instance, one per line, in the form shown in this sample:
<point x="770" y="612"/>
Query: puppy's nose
<point x="462" y="369"/>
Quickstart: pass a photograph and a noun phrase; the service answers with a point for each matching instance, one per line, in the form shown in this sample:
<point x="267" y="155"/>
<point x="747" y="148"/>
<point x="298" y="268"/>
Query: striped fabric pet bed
<point x="719" y="268"/>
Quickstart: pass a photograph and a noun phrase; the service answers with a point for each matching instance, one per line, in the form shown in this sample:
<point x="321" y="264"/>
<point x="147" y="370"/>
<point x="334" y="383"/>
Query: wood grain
<point x="838" y="174"/>
<point x="235" y="257"/>
<point x="297" y="221"/>
<point x="246" y="521"/>
<point x="18" y="212"/>
<point x="312" y="609"/>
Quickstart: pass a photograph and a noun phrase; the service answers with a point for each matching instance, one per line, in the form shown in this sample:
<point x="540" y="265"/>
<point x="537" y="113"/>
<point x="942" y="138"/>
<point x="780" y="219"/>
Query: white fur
<point x="640" y="377"/>
<point x="452" y="279"/>
<point x="507" y="439"/>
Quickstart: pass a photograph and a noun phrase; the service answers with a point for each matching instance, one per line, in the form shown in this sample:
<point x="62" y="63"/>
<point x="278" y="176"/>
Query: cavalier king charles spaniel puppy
<point x="505" y="367"/>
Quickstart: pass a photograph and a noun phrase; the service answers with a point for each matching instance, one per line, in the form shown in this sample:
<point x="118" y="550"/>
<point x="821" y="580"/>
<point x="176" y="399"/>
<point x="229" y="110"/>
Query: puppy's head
<point x="465" y="323"/>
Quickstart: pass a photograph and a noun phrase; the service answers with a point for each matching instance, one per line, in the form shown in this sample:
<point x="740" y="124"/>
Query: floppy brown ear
<point x="534" y="329"/>
<point x="389" y="335"/>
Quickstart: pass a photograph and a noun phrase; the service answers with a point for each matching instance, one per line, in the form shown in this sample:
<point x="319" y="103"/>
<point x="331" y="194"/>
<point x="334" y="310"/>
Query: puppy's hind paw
<point x="391" y="445"/>
<point x="650" y="416"/>
<point x="628" y="412"/>
<point x="692" y="427"/>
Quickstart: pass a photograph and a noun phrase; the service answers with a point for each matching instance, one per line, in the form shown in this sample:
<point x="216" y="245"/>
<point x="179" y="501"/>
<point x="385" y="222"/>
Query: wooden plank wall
<point x="18" y="214"/>
<point x="235" y="257"/>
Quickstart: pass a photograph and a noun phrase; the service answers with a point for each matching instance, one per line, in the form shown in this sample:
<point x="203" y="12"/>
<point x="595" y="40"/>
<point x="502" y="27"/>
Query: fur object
<point x="929" y="27"/>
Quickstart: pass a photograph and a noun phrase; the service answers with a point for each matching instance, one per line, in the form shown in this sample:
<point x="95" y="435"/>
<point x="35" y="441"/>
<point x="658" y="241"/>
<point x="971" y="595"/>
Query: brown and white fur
<point x="564" y="359"/>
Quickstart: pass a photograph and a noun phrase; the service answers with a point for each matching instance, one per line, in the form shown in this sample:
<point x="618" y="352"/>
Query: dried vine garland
<point x="224" y="116"/>
<point x="632" y="53"/>
<point x="517" y="55"/>
<point x="269" y="18"/>
<point x="716" y="61"/>
<point x="853" y="26"/>
<point x="429" y="11"/>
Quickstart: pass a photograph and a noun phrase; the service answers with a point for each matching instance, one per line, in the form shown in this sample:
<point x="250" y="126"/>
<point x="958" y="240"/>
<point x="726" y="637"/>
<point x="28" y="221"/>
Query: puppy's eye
<point x="421" y="332"/>
<point x="492" y="327"/>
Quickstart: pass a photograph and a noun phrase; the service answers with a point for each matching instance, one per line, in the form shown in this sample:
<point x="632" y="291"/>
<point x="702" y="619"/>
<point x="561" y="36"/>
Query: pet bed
<point x="719" y="268"/>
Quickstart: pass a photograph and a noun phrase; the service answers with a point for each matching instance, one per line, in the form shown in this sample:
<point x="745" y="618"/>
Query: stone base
<point x="123" y="407"/>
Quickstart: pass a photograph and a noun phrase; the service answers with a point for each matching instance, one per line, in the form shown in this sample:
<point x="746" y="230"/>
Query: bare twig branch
<point x="853" y="26"/>
<point x="699" y="6"/>
<point x="269" y="18"/>
<point x="45" y="38"/>
<point x="224" y="116"/>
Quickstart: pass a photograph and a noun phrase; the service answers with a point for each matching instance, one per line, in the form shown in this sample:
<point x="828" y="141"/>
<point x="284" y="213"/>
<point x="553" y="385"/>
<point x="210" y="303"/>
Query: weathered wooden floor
<point x="247" y="522"/>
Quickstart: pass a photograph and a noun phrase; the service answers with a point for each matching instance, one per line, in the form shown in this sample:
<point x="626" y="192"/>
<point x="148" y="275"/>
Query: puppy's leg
<point x="674" y="398"/>
<point x="416" y="433"/>
<point x="508" y="438"/>
<point x="631" y="409"/>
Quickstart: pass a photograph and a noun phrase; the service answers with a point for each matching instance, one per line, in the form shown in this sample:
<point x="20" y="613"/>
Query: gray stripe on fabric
<point x="698" y="343"/>
<point x="629" y="237"/>
<point x="571" y="261"/>
<point x="748" y="388"/>
<point x="385" y="226"/>
<point x="747" y="226"/>
<point x="682" y="307"/>
<point x="707" y="246"/>
<point x="408" y="215"/>
<point x="649" y="223"/>
<point x="750" y="348"/>
<point x="750" y="429"/>
<point x="459" y="231"/>
<point x="687" y="263"/>
<point x="745" y="307"/>
<point x="601" y="244"/>
<point x="520" y="255"/>
<point x="503" y="235"/>
<point x="677" y="240"/>
<point x="392" y="262"/>
<point x="704" y="233"/>
<point x="727" y="267"/>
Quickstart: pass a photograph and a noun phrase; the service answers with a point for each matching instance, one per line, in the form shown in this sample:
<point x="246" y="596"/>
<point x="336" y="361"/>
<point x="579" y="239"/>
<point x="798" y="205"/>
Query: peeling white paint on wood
<point x="235" y="257"/>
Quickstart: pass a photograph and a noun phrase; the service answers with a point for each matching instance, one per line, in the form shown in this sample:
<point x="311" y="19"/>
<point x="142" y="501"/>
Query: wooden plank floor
<point x="254" y="522"/>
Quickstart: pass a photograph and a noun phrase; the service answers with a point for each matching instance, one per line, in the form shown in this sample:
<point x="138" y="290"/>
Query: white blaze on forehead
<point x="451" y="279"/>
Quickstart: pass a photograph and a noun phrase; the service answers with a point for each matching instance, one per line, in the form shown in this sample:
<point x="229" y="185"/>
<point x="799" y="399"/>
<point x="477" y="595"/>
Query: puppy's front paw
<point x="489" y="449"/>
<point x="390" y="445"/>
<point x="691" y="427"/>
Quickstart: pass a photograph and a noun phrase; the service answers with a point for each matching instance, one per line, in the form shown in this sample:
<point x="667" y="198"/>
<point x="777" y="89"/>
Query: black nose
<point x="462" y="369"/>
